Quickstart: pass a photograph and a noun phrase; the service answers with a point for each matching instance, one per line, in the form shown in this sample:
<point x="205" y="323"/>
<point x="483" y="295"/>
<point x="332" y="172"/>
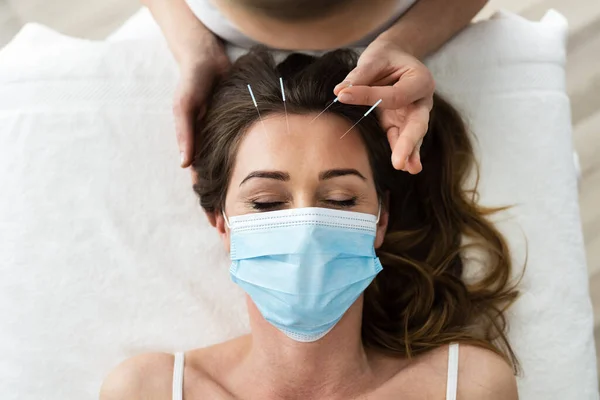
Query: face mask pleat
<point x="322" y="239"/>
<point x="314" y="279"/>
<point x="299" y="316"/>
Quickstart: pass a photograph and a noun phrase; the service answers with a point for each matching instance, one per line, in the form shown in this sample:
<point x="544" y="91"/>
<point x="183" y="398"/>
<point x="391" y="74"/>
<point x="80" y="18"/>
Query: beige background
<point x="97" y="18"/>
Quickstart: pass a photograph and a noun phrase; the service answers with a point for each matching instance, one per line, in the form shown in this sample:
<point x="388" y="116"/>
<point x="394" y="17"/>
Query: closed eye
<point x="263" y="206"/>
<point x="342" y="203"/>
<point x="272" y="205"/>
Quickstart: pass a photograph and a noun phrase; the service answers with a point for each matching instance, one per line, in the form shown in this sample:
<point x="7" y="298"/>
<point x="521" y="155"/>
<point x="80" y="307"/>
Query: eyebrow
<point x="276" y="175"/>
<point x="334" y="173"/>
<point x="284" y="176"/>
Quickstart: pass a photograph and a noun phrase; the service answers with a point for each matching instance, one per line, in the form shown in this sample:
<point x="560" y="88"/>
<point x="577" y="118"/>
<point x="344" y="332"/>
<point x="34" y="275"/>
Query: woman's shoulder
<point x="148" y="376"/>
<point x="482" y="374"/>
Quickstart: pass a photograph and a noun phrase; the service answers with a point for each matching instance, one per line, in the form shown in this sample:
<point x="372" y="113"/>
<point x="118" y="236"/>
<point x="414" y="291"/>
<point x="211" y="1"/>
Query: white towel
<point x="105" y="253"/>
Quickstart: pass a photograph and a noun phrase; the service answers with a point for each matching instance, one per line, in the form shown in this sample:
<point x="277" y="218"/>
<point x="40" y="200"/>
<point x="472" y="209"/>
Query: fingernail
<point x="346" y="97"/>
<point x="343" y="85"/>
<point x="182" y="156"/>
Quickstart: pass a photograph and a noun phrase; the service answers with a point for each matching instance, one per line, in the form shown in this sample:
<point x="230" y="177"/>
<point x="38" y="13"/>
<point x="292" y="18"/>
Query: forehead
<point x="306" y="148"/>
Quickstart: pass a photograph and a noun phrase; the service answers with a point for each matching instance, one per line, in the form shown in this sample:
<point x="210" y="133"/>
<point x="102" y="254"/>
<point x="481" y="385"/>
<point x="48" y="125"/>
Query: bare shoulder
<point x="483" y="374"/>
<point x="148" y="376"/>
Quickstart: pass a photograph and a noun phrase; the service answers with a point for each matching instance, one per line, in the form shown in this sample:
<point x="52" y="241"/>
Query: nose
<point x="304" y="197"/>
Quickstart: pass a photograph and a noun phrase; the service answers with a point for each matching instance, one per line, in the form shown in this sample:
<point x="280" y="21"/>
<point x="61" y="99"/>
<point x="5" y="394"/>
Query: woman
<point x="310" y="219"/>
<point x="398" y="34"/>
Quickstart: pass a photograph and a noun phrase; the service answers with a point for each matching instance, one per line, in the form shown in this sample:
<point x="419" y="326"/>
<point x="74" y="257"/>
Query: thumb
<point x="363" y="74"/>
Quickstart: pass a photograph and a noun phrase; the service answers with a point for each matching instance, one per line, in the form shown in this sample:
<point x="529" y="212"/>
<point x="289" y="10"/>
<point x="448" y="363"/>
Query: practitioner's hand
<point x="386" y="71"/>
<point x="198" y="74"/>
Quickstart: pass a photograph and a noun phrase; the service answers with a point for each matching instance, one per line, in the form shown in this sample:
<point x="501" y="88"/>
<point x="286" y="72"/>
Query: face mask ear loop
<point x="226" y="220"/>
<point x="378" y="212"/>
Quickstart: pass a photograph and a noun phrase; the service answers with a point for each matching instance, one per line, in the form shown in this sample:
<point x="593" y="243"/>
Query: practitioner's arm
<point x="390" y="69"/>
<point x="201" y="58"/>
<point x="430" y="23"/>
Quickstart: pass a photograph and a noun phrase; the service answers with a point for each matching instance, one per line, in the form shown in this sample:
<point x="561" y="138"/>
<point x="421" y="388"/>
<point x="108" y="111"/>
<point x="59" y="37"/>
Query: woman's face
<point x="309" y="166"/>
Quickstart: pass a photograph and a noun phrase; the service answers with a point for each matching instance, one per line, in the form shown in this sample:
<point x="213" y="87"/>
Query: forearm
<point x="431" y="23"/>
<point x="184" y="32"/>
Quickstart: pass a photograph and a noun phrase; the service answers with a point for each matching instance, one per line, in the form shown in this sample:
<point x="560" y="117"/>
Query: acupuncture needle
<point x="361" y="118"/>
<point x="257" y="110"/>
<point x="326" y="108"/>
<point x="284" y="106"/>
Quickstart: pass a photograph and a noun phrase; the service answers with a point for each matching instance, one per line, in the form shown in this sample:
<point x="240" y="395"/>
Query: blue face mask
<point x="303" y="267"/>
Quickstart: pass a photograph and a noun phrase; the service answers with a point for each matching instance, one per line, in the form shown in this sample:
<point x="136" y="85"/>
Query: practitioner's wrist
<point x="397" y="38"/>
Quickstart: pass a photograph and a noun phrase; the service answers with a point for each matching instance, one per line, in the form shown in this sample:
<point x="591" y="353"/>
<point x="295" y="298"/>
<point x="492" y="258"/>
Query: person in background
<point x="397" y="34"/>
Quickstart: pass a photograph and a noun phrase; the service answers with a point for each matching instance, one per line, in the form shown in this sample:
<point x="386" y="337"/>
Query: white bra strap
<point x="178" y="376"/>
<point x="452" y="385"/>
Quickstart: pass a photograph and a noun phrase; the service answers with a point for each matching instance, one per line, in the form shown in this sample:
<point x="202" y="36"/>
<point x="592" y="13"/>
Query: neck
<point x="278" y="367"/>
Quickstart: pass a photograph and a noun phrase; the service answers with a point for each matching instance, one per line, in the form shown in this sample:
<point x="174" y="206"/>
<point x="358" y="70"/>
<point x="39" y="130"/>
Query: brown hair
<point x="419" y="301"/>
